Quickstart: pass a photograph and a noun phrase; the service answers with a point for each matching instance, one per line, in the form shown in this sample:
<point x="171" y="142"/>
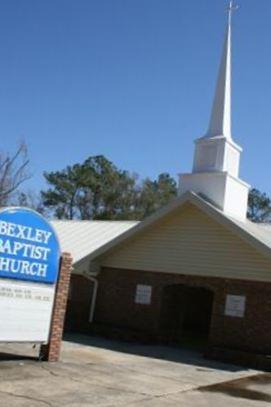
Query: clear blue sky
<point x="131" y="79"/>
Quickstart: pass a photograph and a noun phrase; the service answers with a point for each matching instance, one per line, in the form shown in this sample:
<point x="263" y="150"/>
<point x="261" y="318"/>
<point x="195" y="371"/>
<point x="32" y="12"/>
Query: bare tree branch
<point x="13" y="172"/>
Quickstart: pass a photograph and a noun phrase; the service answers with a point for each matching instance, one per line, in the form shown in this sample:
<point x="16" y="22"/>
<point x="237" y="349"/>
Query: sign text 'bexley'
<point x="27" y="251"/>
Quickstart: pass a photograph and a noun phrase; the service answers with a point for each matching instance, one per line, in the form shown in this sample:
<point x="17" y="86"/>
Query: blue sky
<point x="131" y="79"/>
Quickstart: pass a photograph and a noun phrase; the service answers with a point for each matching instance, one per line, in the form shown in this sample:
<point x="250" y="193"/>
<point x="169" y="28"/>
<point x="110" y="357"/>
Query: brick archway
<point x="186" y="315"/>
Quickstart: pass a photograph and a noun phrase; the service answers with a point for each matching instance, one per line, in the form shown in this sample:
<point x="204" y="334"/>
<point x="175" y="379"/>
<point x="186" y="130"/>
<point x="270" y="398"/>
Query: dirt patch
<point x="243" y="388"/>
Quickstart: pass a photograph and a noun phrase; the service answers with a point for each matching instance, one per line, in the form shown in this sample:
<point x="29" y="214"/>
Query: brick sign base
<point x="51" y="351"/>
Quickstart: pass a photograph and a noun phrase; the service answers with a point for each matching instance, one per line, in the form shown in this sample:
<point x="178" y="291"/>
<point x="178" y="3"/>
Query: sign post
<point x="51" y="351"/>
<point x="29" y="276"/>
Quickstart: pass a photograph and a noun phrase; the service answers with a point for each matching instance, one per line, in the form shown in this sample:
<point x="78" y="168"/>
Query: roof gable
<point x="89" y="241"/>
<point x="187" y="240"/>
<point x="258" y="236"/>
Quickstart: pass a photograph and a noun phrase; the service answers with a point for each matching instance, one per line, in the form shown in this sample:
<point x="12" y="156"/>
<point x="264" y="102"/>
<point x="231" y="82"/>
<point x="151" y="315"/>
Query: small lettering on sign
<point x="235" y="306"/>
<point x="143" y="294"/>
<point x="22" y="294"/>
<point x="25" y="311"/>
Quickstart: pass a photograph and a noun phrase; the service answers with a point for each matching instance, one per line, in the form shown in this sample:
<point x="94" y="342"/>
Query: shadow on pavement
<point x="7" y="357"/>
<point x="244" y="388"/>
<point x="172" y="354"/>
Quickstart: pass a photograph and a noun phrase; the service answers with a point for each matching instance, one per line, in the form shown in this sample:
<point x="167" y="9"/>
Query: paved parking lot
<point x="99" y="372"/>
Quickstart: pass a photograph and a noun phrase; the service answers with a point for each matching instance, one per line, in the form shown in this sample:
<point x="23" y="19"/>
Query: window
<point x="143" y="294"/>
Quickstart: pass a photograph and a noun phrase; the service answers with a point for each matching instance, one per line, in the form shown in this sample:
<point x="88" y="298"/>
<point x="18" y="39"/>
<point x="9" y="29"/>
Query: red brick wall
<point x="116" y="307"/>
<point x="51" y="352"/>
<point x="78" y="307"/>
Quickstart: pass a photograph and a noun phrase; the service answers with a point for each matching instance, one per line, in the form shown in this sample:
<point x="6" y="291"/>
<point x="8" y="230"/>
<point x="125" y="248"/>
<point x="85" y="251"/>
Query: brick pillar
<point x="51" y="351"/>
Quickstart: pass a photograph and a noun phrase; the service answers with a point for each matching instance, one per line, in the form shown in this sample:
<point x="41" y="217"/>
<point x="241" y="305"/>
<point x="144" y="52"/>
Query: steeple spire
<point x="215" y="173"/>
<point x="220" y="122"/>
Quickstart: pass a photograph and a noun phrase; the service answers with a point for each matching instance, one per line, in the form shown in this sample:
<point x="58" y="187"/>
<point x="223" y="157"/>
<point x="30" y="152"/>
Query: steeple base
<point x="216" y="154"/>
<point x="228" y="193"/>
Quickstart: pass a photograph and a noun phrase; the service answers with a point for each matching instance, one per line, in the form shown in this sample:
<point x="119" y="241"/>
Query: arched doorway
<point x="186" y="315"/>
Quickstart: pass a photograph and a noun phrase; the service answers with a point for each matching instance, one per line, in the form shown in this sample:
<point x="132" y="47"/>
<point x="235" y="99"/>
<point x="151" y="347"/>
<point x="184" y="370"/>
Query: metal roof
<point x="81" y="238"/>
<point x="260" y="231"/>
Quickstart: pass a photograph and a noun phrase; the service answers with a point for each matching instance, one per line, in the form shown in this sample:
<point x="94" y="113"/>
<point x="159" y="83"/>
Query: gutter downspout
<point x="93" y="278"/>
<point x="94" y="296"/>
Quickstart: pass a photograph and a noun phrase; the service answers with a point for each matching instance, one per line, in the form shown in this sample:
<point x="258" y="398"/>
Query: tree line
<point x="97" y="189"/>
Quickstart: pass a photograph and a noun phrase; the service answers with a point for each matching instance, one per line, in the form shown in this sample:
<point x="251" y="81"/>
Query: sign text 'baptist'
<point x="27" y="251"/>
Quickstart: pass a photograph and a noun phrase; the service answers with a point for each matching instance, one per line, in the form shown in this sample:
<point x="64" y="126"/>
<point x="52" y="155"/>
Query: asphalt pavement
<point x="98" y="372"/>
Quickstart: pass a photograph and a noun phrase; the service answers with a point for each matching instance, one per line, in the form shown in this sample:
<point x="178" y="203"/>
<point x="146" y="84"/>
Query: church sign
<point x="29" y="266"/>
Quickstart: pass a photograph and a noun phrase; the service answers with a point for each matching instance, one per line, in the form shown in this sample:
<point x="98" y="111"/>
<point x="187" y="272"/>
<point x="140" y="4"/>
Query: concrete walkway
<point x="99" y="372"/>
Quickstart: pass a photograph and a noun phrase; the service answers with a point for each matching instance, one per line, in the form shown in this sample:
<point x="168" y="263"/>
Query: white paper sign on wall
<point x="143" y="294"/>
<point x="235" y="306"/>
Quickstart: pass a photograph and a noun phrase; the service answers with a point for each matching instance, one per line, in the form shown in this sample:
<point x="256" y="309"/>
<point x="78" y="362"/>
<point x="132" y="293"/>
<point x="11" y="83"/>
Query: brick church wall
<point x="116" y="307"/>
<point x="78" y="306"/>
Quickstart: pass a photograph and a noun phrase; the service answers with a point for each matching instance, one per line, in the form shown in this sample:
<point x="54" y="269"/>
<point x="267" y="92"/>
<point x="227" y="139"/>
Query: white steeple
<point x="216" y="160"/>
<point x="220" y="122"/>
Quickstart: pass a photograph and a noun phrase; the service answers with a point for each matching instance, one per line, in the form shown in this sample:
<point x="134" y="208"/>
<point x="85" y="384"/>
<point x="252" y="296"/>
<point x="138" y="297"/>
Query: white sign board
<point x="235" y="306"/>
<point x="29" y="266"/>
<point x="25" y="311"/>
<point x="143" y="294"/>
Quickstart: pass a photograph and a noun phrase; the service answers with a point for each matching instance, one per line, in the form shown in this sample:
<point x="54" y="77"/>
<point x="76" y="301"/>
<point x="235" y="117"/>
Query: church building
<point x="197" y="272"/>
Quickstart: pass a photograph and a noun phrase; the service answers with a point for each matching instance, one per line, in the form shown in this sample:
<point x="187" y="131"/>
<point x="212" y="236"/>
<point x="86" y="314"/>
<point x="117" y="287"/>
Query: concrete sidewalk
<point x="99" y="372"/>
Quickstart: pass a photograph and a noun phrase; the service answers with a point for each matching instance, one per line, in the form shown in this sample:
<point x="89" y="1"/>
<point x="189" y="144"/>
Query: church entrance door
<point x="186" y="315"/>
